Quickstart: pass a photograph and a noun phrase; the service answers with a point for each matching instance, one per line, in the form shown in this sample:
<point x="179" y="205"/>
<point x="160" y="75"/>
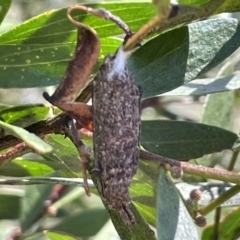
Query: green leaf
<point x="37" y="236"/>
<point x="218" y="107"/>
<point x="32" y="203"/>
<point x="84" y="224"/>
<point x="54" y="27"/>
<point x="32" y="166"/>
<point x="140" y="231"/>
<point x="228" y="227"/>
<point x="59" y="236"/>
<point x="4" y="6"/>
<point x="160" y="65"/>
<point x="31" y="139"/>
<point x="35" y="53"/>
<point x="40" y="49"/>
<point x="9" y="206"/>
<point x="65" y="150"/>
<point x="220" y="37"/>
<point x="217" y="111"/>
<point x="39" y="65"/>
<point x="22" y="168"/>
<point x="194" y="2"/>
<point x="4" y="106"/>
<point x="210" y="7"/>
<point x="184" y="140"/>
<point x="228" y="6"/>
<point x="205" y="86"/>
<point x="173" y="219"/>
<point x="25" y="115"/>
<point x="149" y="213"/>
<point x="143" y="190"/>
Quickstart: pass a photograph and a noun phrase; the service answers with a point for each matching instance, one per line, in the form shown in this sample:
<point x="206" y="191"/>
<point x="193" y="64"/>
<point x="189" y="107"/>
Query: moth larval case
<point x="116" y="132"/>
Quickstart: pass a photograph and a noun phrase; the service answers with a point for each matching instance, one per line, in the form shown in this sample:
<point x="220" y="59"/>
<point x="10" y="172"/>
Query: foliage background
<point x="71" y="205"/>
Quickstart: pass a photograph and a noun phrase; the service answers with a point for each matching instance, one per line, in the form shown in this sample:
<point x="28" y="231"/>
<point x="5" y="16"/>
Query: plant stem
<point x="196" y="170"/>
<point x="48" y="126"/>
<point x="138" y="231"/>
<point x="44" y="180"/>
<point x="216" y="222"/>
<point x="217" y="202"/>
<point x="233" y="160"/>
<point x="16" y="151"/>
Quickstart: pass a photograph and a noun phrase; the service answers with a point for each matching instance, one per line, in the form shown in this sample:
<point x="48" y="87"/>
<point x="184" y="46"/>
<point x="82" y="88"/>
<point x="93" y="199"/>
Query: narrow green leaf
<point x="4" y="106"/>
<point x="173" y="219"/>
<point x="85" y="224"/>
<point x="25" y="167"/>
<point x="167" y="62"/>
<point x="32" y="203"/>
<point x="218" y="107"/>
<point x="228" y="6"/>
<point x="228" y="227"/>
<point x="65" y="151"/>
<point x="194" y="2"/>
<point x="219" y="38"/>
<point x="149" y="213"/>
<point x="199" y="9"/>
<point x="67" y="157"/>
<point x="142" y="187"/>
<point x="149" y="170"/>
<point x="142" y="191"/>
<point x="160" y="64"/>
<point x="39" y="65"/>
<point x="54" y="27"/>
<point x="24" y="115"/>
<point x="35" y="53"/>
<point x="31" y="139"/>
<point x="184" y="140"/>
<point x="4" y="6"/>
<point x="140" y="230"/>
<point x="205" y="86"/>
<point x="217" y="111"/>
<point x="46" y="180"/>
<point x="59" y="235"/>
<point x="40" y="49"/>
<point x="9" y="206"/>
<point x="37" y="236"/>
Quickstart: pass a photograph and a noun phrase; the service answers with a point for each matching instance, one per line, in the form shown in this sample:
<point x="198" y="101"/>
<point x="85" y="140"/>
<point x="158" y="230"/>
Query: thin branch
<point x="16" y="151"/>
<point x="53" y="125"/>
<point x="40" y="129"/>
<point x="44" y="180"/>
<point x="217" y="218"/>
<point x="196" y="170"/>
<point x="221" y="199"/>
<point x="140" y="230"/>
<point x="233" y="160"/>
